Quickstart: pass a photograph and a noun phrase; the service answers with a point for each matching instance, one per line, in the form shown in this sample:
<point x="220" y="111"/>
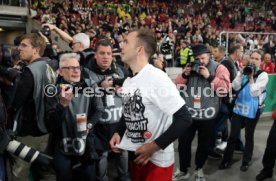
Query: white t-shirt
<point x="149" y="100"/>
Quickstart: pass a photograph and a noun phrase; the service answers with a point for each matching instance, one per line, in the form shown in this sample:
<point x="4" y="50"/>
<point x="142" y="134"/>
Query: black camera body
<point x="196" y="65"/>
<point x="46" y="31"/>
<point x="117" y="80"/>
<point x="76" y="88"/>
<point x="249" y="68"/>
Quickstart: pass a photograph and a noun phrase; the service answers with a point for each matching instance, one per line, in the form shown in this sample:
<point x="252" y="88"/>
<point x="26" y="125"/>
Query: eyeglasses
<point x="72" y="68"/>
<point x="73" y="43"/>
<point x="22" y="45"/>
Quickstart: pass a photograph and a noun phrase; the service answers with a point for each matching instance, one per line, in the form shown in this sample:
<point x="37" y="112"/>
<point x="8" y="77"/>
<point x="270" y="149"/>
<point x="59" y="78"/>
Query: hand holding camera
<point x="107" y="82"/>
<point x="200" y="69"/>
<point x="249" y="70"/>
<point x="52" y="27"/>
<point x="204" y="71"/>
<point x="45" y="30"/>
<point x="187" y="69"/>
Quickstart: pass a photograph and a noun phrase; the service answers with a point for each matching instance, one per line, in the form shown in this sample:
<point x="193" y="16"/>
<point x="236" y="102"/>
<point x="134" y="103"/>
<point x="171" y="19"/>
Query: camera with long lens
<point x="249" y="68"/>
<point x="28" y="154"/>
<point x="196" y="65"/>
<point x="45" y="30"/>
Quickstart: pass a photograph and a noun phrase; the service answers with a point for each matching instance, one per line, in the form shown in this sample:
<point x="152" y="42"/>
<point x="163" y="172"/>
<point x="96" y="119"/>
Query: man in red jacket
<point x="267" y="65"/>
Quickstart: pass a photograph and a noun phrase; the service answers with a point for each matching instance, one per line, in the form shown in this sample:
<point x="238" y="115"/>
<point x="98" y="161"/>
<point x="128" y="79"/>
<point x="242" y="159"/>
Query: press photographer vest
<point x="111" y="114"/>
<point x="247" y="105"/>
<point x="200" y="97"/>
<point x="43" y="75"/>
<point x="74" y="141"/>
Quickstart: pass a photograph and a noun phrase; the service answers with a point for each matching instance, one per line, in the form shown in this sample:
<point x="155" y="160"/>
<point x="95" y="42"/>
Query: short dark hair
<point x="234" y="48"/>
<point x="221" y="48"/>
<point x="147" y="38"/>
<point x="36" y="40"/>
<point x="103" y="42"/>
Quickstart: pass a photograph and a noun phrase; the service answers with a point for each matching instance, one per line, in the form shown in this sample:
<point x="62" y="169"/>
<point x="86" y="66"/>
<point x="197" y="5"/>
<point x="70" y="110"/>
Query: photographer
<point x="45" y="33"/>
<point x="66" y="37"/>
<point x="166" y="48"/>
<point x="80" y="43"/>
<point x="204" y="74"/>
<point x="10" y="69"/>
<point x="108" y="75"/>
<point x="251" y="85"/>
<point x="72" y="115"/>
<point x="28" y="104"/>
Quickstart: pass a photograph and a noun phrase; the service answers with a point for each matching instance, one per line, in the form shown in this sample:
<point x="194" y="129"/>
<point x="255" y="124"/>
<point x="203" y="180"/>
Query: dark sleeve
<point x="230" y="68"/>
<point x="54" y="113"/>
<point x="24" y="90"/>
<point x="181" y="121"/>
<point x="121" y="128"/>
<point x="96" y="109"/>
<point x="49" y="51"/>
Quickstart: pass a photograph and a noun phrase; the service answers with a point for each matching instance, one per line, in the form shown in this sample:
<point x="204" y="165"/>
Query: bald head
<point x="267" y="58"/>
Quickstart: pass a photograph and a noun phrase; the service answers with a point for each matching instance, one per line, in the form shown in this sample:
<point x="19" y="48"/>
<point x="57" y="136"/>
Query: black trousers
<point x="204" y="129"/>
<point x="270" y="151"/>
<point x="237" y="123"/>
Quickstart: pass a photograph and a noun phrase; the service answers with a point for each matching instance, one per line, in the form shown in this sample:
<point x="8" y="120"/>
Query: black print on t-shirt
<point x="135" y="121"/>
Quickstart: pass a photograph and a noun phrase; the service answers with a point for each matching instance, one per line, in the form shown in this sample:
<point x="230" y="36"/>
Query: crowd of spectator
<point x="194" y="21"/>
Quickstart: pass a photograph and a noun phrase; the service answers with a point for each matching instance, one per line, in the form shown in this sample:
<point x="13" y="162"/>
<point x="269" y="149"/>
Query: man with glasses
<point x="28" y="103"/>
<point x="80" y="43"/>
<point x="73" y="141"/>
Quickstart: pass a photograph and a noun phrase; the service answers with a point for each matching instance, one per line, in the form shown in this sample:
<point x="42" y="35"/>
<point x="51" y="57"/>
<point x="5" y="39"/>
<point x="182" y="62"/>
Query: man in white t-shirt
<point x="150" y="102"/>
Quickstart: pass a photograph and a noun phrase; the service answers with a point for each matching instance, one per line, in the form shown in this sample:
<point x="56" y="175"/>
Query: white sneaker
<point x="179" y="175"/>
<point x="199" y="176"/>
<point x="221" y="147"/>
